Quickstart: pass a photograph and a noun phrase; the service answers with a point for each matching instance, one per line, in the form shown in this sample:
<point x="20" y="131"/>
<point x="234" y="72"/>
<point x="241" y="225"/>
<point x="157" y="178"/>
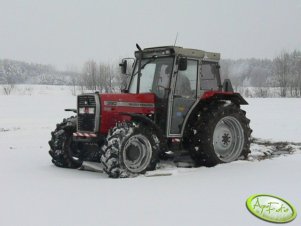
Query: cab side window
<point x="187" y="80"/>
<point x="208" y="75"/>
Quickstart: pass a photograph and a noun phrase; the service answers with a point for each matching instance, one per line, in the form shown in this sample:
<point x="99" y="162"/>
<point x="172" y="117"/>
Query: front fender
<point x="147" y="122"/>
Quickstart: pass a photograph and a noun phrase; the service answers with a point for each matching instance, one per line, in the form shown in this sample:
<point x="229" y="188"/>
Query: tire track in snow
<point x="266" y="149"/>
<point x="260" y="150"/>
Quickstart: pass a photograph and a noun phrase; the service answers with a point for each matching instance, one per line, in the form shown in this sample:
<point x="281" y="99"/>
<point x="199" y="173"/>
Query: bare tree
<point x="281" y="71"/>
<point x="89" y="76"/>
<point x="8" y="78"/>
<point x="8" y="88"/>
<point x="74" y="80"/>
<point x="295" y="69"/>
<point x="104" y="77"/>
<point x="261" y="92"/>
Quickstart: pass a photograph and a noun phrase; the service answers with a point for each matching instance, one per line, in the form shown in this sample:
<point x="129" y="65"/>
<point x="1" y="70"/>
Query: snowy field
<point x="35" y="193"/>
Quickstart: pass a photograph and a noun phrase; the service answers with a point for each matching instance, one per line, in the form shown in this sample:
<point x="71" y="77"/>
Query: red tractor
<point x="174" y="101"/>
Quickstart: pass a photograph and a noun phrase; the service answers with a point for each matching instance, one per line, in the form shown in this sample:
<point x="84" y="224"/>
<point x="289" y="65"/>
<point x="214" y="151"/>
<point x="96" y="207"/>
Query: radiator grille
<point x="86" y="122"/>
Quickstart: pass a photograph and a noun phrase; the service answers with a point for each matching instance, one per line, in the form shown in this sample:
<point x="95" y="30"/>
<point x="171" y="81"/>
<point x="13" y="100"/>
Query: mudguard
<point x="213" y="96"/>
<point x="219" y="95"/>
<point x="147" y="122"/>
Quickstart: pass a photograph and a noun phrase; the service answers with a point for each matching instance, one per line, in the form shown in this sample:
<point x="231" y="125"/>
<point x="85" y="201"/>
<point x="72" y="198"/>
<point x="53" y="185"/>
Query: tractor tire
<point x="62" y="149"/>
<point x="130" y="149"/>
<point x="220" y="133"/>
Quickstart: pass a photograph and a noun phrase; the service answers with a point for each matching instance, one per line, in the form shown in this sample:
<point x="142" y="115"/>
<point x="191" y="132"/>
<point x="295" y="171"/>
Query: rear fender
<point x="208" y="98"/>
<point x="236" y="98"/>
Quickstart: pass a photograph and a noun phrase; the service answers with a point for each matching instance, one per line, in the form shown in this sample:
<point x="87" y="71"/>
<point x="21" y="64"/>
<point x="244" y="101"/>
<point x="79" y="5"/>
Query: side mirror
<point x="182" y="64"/>
<point x="123" y="66"/>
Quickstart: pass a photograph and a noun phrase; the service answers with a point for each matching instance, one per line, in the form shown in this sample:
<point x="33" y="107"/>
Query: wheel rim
<point x="228" y="139"/>
<point x="137" y="153"/>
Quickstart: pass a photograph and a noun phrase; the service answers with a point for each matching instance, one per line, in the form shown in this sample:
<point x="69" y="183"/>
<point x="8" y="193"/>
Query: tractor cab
<point x="178" y="77"/>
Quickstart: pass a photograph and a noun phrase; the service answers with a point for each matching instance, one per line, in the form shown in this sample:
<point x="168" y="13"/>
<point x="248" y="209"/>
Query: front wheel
<point x="220" y="134"/>
<point x="131" y="149"/>
<point x="63" y="150"/>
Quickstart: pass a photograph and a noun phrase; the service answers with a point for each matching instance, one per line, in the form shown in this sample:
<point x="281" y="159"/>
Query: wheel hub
<point x="133" y="153"/>
<point x="226" y="139"/>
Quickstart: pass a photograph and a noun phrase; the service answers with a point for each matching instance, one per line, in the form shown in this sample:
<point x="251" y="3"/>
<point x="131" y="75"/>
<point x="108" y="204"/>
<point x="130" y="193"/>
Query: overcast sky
<point x="65" y="33"/>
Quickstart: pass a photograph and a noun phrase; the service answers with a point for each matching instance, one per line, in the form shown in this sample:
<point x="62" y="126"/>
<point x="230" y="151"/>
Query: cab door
<point x="183" y="97"/>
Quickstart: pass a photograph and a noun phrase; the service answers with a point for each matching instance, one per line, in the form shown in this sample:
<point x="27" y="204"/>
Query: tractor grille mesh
<point x="86" y="122"/>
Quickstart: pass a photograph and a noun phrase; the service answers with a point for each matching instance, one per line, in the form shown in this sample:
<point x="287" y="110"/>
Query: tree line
<point x="103" y="77"/>
<point x="267" y="76"/>
<point x="280" y="76"/>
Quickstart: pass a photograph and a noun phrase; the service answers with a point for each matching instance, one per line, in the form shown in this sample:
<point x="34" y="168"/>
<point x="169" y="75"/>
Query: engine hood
<point x="113" y="105"/>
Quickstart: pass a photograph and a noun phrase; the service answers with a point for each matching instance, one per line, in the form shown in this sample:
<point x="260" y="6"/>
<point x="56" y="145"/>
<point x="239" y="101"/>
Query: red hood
<point x="112" y="105"/>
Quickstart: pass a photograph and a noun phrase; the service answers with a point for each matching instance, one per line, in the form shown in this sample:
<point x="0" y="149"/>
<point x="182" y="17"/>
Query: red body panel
<point x="209" y="94"/>
<point x="113" y="105"/>
<point x="232" y="96"/>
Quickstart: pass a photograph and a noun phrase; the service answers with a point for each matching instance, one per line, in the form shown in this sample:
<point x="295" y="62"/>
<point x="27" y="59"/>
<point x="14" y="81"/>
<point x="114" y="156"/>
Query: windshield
<point x="155" y="76"/>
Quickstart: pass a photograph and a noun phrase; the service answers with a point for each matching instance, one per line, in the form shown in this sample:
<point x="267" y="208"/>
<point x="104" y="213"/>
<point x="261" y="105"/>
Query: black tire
<point x="219" y="128"/>
<point x="62" y="149"/>
<point x="131" y="149"/>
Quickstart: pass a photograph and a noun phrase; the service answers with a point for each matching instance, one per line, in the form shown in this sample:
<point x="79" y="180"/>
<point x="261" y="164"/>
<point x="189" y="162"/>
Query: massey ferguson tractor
<point x="174" y="101"/>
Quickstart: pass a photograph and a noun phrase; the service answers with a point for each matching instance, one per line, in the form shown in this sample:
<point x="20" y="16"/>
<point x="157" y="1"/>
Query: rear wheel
<point x="63" y="150"/>
<point x="219" y="134"/>
<point x="131" y="149"/>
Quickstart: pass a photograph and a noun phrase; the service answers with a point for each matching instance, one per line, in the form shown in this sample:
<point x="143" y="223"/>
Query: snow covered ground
<point x="34" y="192"/>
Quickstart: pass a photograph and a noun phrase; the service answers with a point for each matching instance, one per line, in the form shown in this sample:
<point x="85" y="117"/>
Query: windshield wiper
<point x="146" y="63"/>
<point x="149" y="61"/>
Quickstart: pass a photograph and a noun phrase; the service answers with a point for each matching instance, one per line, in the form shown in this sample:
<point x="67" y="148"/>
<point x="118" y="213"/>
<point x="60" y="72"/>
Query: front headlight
<point x="86" y="110"/>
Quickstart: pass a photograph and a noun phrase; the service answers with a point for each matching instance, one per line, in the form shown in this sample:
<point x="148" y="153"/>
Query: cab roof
<point x="177" y="50"/>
